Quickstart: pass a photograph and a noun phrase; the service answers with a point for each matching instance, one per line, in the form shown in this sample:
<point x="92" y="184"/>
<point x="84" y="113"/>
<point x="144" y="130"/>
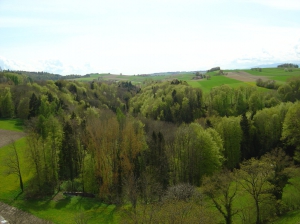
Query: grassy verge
<point x="11" y="124"/>
<point x="65" y="210"/>
<point x="289" y="218"/>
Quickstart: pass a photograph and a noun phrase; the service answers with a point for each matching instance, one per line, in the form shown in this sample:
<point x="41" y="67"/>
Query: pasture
<point x="11" y="124"/>
<point x="207" y="85"/>
<point x="234" y="79"/>
<point x="277" y="74"/>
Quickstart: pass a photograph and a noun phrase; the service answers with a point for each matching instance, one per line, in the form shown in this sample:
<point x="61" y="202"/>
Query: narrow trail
<point x="14" y="215"/>
<point x="7" y="136"/>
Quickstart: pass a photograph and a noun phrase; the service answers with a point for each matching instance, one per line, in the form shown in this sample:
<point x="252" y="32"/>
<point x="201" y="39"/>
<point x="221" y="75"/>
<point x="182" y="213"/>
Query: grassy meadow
<point x="277" y="74"/>
<point x="11" y="125"/>
<point x="207" y="85"/>
<point x="273" y="72"/>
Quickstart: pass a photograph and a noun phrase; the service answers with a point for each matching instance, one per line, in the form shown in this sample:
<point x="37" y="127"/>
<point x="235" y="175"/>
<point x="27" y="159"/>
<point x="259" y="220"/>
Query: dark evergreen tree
<point x="34" y="105"/>
<point x="68" y="158"/>
<point x="158" y="159"/>
<point x="246" y="145"/>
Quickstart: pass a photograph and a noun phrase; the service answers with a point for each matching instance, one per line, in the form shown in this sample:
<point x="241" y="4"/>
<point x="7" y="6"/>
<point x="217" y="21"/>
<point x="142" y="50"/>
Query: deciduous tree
<point x="12" y="164"/>
<point x="253" y="177"/>
<point x="221" y="188"/>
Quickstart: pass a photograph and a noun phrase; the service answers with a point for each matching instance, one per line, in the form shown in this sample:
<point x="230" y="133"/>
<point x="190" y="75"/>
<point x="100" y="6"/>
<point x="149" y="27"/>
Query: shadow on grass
<point x="88" y="203"/>
<point x="17" y="123"/>
<point x="62" y="203"/>
<point x="290" y="217"/>
<point x="95" y="209"/>
<point x="108" y="217"/>
<point x="18" y="195"/>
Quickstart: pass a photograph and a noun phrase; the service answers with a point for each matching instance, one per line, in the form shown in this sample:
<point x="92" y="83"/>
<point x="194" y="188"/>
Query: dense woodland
<point x="159" y="144"/>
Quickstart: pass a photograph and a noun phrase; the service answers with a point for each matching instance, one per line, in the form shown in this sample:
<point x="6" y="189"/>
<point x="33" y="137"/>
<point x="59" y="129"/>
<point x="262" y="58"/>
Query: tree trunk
<point x="257" y="212"/>
<point x="21" y="183"/>
<point x="228" y="217"/>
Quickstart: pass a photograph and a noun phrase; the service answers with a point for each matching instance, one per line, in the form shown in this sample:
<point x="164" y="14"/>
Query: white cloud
<point x="280" y="4"/>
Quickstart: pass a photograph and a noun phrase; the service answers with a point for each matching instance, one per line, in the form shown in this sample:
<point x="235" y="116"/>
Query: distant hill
<point x="274" y="65"/>
<point x="172" y="73"/>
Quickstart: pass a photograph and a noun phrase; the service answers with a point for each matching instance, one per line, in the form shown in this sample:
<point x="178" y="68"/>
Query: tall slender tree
<point x="12" y="163"/>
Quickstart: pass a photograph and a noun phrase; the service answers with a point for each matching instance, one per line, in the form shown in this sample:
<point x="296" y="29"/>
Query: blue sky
<point x="145" y="36"/>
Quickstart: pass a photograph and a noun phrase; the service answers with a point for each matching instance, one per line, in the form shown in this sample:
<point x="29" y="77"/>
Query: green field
<point x="66" y="209"/>
<point x="207" y="85"/>
<point x="277" y="74"/>
<point x="12" y="125"/>
<point x="273" y="72"/>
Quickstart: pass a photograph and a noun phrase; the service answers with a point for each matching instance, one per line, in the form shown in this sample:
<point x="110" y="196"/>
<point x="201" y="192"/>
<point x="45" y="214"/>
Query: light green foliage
<point x="221" y="188"/>
<point x="14" y="78"/>
<point x="285" y="92"/>
<point x="227" y="101"/>
<point x="290" y="91"/>
<point x="45" y="108"/>
<point x="253" y="177"/>
<point x="43" y="144"/>
<point x="221" y="100"/>
<point x="291" y="128"/>
<point x="6" y="104"/>
<point x="256" y="101"/>
<point x="9" y="188"/>
<point x="217" y="139"/>
<point x="231" y="133"/>
<point x="268" y="123"/>
<point x="169" y="102"/>
<point x="39" y="88"/>
<point x="196" y="153"/>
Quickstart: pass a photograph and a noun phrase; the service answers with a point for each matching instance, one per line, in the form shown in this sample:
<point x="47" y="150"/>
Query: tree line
<point x="126" y="144"/>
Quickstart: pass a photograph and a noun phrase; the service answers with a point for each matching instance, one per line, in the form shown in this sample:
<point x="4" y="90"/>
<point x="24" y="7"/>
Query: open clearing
<point x="7" y="136"/>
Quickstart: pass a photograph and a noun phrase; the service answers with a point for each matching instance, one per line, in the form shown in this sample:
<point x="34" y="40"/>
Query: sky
<point x="146" y="36"/>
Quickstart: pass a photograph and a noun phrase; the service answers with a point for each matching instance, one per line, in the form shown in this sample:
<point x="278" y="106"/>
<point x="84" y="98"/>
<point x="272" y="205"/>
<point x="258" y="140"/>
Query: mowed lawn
<point x="58" y="208"/>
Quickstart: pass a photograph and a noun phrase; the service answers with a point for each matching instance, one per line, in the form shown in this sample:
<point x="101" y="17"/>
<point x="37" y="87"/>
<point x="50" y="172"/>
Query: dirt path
<point x="244" y="76"/>
<point x="16" y="216"/>
<point x="7" y="136"/>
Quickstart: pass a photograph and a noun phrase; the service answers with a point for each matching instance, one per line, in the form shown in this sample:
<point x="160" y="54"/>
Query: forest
<point x="165" y="152"/>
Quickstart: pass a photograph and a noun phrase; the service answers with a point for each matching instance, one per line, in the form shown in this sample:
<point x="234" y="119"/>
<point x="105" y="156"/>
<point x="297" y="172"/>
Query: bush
<point x="180" y="192"/>
<point x="269" y="84"/>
